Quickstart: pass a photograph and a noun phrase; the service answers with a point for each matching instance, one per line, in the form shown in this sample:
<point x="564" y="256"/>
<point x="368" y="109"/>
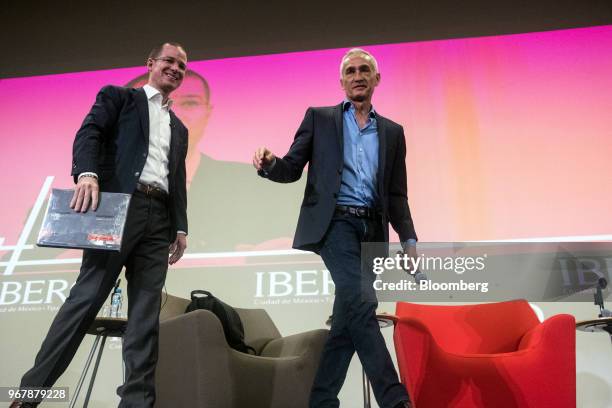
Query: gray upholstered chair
<point x="197" y="368"/>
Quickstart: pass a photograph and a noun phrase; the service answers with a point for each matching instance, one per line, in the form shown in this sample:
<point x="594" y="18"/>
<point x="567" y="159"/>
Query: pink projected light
<point x="508" y="137"/>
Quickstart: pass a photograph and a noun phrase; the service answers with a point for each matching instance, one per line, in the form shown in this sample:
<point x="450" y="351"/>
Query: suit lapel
<point x="142" y="105"/>
<point x="382" y="153"/>
<point x="174" y="140"/>
<point x="338" y="117"/>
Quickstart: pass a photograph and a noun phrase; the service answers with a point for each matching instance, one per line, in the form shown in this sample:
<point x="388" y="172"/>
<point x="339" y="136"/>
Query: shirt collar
<point x="153" y="92"/>
<point x="346" y="105"/>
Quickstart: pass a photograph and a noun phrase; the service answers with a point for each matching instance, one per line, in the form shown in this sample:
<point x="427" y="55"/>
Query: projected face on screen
<point x="191" y="103"/>
<point x="192" y="106"/>
<point x="508" y="137"/>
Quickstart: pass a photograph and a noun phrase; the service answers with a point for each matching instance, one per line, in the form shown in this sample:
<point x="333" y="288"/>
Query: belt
<point x="359" y="212"/>
<point x="152" y="191"/>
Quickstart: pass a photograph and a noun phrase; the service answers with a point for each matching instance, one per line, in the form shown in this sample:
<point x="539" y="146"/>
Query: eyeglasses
<point x="170" y="61"/>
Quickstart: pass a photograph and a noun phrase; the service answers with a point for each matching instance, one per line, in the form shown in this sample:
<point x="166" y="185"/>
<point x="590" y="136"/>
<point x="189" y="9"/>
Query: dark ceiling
<point x="54" y="37"/>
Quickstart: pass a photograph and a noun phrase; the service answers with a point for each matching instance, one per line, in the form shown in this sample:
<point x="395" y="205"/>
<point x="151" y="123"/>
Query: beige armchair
<point x="197" y="368"/>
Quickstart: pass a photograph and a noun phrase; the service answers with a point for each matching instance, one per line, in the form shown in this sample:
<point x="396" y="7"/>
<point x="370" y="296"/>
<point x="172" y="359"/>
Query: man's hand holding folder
<point x="86" y="192"/>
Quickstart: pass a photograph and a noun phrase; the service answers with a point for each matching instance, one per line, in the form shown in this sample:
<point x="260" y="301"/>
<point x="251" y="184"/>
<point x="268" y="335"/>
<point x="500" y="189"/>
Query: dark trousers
<point x="145" y="256"/>
<point x="354" y="326"/>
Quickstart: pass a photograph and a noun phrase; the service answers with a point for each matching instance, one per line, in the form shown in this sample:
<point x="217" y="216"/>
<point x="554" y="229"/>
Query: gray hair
<point x="358" y="52"/>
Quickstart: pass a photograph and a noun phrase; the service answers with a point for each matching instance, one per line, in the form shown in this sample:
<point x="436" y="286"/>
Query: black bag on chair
<point x="230" y="320"/>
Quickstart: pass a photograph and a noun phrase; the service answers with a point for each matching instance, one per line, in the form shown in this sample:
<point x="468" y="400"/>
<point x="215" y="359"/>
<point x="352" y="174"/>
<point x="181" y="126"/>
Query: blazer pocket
<point x="310" y="199"/>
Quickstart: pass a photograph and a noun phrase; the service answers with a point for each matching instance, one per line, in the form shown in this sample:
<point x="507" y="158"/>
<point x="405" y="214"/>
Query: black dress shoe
<point x="19" y="404"/>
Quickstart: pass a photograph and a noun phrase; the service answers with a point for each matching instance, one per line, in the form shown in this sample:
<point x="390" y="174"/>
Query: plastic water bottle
<point x="116" y="302"/>
<point x="105" y="311"/>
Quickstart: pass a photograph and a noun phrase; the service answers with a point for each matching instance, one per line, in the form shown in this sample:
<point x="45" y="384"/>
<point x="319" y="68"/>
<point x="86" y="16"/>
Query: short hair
<point x="156" y="51"/>
<point x="188" y="73"/>
<point x="358" y="52"/>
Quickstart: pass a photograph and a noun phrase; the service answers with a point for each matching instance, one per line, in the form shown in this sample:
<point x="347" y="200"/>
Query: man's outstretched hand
<point x="263" y="158"/>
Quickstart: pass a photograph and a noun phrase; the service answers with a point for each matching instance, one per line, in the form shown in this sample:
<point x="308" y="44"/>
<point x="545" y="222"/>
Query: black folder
<point x="103" y="228"/>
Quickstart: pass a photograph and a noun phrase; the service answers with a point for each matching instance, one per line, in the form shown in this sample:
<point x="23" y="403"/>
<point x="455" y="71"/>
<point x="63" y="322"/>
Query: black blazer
<point x="113" y="142"/>
<point x="320" y="141"/>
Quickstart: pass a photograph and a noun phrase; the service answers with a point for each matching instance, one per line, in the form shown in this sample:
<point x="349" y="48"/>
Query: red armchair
<point x="485" y="355"/>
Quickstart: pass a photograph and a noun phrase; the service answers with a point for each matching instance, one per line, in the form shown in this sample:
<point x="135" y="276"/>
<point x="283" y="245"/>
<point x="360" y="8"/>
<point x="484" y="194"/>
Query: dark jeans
<point x="354" y="325"/>
<point x="144" y="253"/>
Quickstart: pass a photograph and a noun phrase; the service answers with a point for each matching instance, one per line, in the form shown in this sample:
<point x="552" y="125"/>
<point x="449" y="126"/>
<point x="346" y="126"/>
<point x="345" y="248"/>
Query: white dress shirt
<point x="155" y="171"/>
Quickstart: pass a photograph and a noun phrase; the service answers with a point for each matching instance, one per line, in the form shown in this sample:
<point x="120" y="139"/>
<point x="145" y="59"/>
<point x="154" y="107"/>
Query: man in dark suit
<point x="356" y="185"/>
<point x="130" y="142"/>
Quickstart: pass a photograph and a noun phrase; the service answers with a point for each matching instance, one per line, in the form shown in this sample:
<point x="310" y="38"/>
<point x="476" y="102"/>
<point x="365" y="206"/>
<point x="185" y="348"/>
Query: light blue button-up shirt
<point x="359" y="183"/>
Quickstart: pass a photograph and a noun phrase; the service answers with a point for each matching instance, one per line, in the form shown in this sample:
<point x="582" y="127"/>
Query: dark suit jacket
<point x="113" y="142"/>
<point x="320" y="141"/>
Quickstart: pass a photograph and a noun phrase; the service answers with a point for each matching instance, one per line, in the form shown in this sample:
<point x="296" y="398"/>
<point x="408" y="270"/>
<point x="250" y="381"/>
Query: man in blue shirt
<point x="356" y="186"/>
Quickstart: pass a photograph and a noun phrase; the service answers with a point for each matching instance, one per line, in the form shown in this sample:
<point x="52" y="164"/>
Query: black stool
<point x="102" y="328"/>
